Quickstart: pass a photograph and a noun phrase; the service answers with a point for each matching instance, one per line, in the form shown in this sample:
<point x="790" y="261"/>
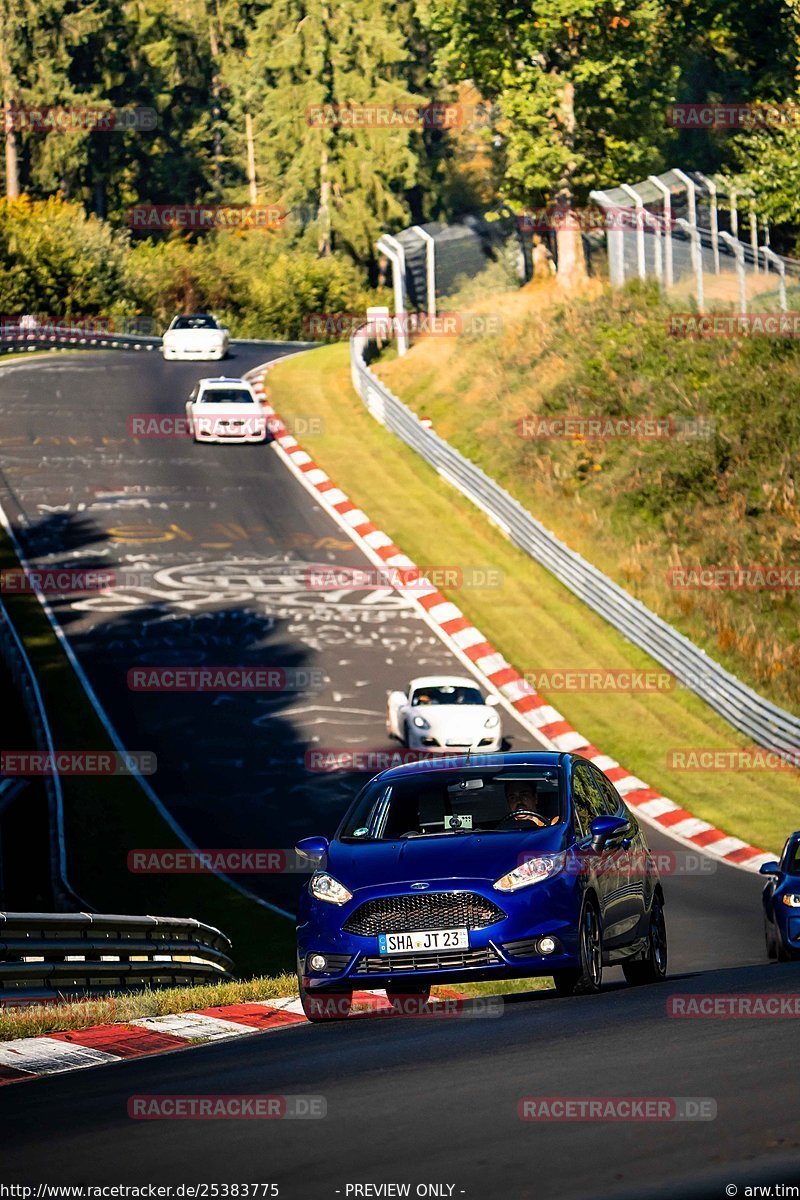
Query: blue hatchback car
<point x="781" y="899"/>
<point x="484" y="867"/>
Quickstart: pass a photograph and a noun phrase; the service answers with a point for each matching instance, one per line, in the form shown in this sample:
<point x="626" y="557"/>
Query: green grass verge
<point x="531" y="618"/>
<point x="106" y="817"/>
<point x="39" y="1019"/>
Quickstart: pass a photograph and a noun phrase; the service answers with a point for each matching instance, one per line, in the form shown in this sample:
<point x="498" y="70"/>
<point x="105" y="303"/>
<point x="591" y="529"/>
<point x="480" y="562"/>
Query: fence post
<point x="641" y="261"/>
<point x="738" y="253"/>
<point x="697" y="258"/>
<point x="614" y="243"/>
<point x="394" y="252"/>
<point x="754" y="236"/>
<point x="691" y="192"/>
<point x="771" y="257"/>
<point x="430" y="267"/>
<point x="657" y="250"/>
<point x="711" y="188"/>
<point x="667" y="194"/>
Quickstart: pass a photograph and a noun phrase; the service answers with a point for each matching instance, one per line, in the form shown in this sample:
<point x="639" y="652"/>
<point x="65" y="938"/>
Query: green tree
<point x="303" y="58"/>
<point x="582" y="86"/>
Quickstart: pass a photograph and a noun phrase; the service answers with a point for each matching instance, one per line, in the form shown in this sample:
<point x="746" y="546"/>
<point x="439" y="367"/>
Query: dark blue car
<point x="479" y="868"/>
<point x="781" y="898"/>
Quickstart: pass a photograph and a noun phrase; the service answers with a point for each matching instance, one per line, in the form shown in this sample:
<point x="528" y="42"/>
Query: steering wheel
<point x="528" y="812"/>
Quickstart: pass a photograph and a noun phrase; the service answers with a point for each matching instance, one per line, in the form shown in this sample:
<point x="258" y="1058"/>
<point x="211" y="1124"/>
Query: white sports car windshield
<point x="203" y="321"/>
<point x="446" y="694"/>
<point x="226" y="396"/>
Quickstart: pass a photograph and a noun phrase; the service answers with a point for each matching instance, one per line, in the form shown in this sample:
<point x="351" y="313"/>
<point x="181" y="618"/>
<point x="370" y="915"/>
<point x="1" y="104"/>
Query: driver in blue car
<point x="525" y="806"/>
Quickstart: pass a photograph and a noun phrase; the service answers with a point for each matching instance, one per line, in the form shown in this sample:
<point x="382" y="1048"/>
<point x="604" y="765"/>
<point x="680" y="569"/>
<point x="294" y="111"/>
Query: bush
<point x="57" y="261"/>
<point x="260" y="284"/>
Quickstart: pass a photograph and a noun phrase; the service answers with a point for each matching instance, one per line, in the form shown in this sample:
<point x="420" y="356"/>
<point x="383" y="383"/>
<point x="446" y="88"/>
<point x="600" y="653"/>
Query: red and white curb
<point x="470" y="645"/>
<point x="55" y="1053"/>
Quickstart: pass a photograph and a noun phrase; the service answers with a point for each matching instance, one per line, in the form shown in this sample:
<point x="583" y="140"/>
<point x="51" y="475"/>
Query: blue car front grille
<point x="396" y="964"/>
<point x="432" y="910"/>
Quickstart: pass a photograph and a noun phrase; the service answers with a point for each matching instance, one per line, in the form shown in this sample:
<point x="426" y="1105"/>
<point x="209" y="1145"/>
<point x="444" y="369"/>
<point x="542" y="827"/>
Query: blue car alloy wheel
<point x="479" y="868"/>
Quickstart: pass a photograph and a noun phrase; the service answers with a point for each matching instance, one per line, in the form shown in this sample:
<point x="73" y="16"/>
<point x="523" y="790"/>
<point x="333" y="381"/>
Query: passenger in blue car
<point x="526" y="806"/>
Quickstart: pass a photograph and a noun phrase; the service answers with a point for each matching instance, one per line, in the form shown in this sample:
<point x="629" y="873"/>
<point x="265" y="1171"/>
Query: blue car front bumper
<point x="507" y="948"/>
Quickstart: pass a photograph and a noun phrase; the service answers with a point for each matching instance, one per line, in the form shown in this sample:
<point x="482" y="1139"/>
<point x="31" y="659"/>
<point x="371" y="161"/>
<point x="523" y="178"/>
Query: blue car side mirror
<point x="769" y="868"/>
<point x="312" y="847"/>
<point x="605" y="829"/>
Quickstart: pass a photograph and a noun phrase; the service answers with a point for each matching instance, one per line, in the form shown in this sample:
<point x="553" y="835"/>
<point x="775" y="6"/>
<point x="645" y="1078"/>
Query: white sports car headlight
<point x="533" y="870"/>
<point x="421" y="723"/>
<point x="325" y="887"/>
<point x="492" y="721"/>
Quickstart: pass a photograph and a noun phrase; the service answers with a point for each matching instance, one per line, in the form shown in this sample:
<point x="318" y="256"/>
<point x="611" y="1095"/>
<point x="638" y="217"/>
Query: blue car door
<point x="608" y="869"/>
<point x="633" y="859"/>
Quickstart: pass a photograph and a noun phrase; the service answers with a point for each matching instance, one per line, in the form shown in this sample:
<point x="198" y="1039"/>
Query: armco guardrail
<point x="94" y="952"/>
<point x="62" y="337"/>
<point x="766" y="723"/>
<point x="81" y="339"/>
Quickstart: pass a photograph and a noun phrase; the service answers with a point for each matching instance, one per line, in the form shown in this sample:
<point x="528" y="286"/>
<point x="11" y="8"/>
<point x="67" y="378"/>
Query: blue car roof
<point x="520" y="758"/>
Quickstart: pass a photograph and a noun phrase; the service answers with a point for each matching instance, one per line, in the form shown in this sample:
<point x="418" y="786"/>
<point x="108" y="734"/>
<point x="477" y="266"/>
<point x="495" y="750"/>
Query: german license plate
<point x="429" y="939"/>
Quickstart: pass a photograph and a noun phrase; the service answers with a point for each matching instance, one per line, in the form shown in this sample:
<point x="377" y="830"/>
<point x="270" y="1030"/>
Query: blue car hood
<point x="437" y="859"/>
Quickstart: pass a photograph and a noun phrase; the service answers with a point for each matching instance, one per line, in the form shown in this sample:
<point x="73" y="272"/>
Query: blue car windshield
<point x="791" y="862"/>
<point x="436" y="803"/>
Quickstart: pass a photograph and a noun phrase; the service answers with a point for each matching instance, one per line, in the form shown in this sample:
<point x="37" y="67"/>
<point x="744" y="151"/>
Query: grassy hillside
<point x="722" y="492"/>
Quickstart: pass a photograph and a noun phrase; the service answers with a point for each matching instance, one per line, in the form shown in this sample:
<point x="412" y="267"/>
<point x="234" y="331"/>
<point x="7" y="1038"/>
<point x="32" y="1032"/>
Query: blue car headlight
<point x="791" y="900"/>
<point x="325" y="887"/>
<point x="532" y="870"/>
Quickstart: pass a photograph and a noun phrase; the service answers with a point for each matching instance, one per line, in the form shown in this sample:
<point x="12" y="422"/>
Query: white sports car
<point x="446" y="714"/>
<point x="195" y="336"/>
<point x="225" y="410"/>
